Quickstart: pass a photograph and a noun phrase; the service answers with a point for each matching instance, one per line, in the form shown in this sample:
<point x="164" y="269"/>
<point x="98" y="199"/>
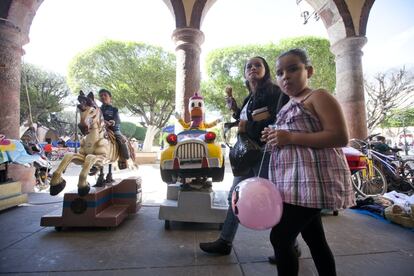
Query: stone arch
<point x="345" y="21"/>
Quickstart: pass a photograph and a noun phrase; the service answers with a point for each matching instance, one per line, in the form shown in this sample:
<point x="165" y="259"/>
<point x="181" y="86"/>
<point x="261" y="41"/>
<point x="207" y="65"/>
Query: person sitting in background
<point x="61" y="143"/>
<point x="381" y="146"/>
<point x="48" y="149"/>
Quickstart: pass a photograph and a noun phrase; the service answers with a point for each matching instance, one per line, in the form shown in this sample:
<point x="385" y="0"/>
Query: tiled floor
<point x="362" y="245"/>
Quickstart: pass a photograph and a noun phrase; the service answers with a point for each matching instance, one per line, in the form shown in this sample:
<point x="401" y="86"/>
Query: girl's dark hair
<point x="266" y="78"/>
<point x="300" y="53"/>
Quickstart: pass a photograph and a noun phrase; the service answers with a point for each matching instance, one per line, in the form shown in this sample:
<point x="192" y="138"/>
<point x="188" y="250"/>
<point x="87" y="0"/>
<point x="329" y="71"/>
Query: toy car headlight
<point x="172" y="139"/>
<point x="210" y="137"/>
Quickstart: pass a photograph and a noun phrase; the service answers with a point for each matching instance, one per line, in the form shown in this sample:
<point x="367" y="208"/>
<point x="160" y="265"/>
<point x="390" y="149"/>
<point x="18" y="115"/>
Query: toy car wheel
<point x="218" y="175"/>
<point x="167" y="225"/>
<point x="165" y="176"/>
<point x="58" y="228"/>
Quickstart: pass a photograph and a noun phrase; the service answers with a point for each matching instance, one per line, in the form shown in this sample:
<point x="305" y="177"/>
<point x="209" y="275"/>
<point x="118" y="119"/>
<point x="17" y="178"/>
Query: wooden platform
<point x="11" y="195"/>
<point x="190" y="206"/>
<point x="102" y="207"/>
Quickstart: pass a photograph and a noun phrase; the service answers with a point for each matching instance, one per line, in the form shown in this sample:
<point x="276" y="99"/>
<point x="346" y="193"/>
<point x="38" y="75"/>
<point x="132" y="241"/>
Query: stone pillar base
<point x="24" y="175"/>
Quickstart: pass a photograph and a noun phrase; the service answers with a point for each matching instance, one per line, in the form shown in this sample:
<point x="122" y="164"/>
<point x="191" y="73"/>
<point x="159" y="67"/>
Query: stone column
<point x="188" y="41"/>
<point x="350" y="84"/>
<point x="10" y="66"/>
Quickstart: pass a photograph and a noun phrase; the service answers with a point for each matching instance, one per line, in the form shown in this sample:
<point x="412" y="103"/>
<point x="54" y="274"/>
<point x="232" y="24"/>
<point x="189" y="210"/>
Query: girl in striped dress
<point x="306" y="165"/>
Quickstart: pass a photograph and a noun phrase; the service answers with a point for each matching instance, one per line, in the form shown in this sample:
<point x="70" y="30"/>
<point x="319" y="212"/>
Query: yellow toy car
<point x="191" y="154"/>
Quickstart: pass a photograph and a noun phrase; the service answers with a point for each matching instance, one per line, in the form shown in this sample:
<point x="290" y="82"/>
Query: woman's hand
<point x="230" y="101"/>
<point x="229" y="91"/>
<point x="275" y="137"/>
<point x="242" y="126"/>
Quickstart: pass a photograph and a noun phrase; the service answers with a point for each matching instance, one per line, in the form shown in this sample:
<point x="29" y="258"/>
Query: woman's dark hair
<point x="266" y="78"/>
<point x="105" y="91"/>
<point x="300" y="53"/>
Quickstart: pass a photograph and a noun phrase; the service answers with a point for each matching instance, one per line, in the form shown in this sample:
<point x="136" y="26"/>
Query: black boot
<point x="219" y="247"/>
<point x="122" y="164"/>
<point x="273" y="260"/>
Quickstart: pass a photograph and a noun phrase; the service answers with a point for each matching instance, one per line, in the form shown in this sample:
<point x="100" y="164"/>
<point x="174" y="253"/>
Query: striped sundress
<point x="309" y="177"/>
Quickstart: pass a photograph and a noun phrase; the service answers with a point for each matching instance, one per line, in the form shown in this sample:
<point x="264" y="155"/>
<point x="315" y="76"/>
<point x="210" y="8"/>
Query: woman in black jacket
<point x="264" y="101"/>
<point x="258" y="111"/>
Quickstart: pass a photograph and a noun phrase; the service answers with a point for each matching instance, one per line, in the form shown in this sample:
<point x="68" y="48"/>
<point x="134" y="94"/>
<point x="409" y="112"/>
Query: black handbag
<point x="244" y="154"/>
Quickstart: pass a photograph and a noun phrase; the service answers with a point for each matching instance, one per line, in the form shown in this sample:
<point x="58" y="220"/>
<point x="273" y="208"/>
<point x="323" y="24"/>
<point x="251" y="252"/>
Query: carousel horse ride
<point x="103" y="205"/>
<point x="97" y="148"/>
<point x="11" y="191"/>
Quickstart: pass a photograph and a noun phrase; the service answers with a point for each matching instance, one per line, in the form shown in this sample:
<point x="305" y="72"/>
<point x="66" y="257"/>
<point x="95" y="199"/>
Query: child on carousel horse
<point x="112" y="123"/>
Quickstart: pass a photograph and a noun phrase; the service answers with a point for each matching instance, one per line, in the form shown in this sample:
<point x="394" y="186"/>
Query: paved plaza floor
<point x="362" y="245"/>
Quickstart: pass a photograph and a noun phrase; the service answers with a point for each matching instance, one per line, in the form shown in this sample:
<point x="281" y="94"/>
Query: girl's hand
<point x="265" y="134"/>
<point x="279" y="137"/>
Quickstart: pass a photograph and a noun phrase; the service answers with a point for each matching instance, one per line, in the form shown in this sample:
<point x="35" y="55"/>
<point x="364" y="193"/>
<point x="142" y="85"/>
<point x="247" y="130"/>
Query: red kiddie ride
<point x="356" y="160"/>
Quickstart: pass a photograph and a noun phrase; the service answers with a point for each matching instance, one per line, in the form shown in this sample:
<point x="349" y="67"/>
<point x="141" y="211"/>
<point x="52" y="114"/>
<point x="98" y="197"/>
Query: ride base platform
<point x="103" y="207"/>
<point x="190" y="206"/>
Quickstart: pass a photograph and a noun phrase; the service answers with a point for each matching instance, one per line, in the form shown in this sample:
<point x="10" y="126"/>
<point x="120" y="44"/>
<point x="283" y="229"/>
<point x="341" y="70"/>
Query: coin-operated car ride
<point x="356" y="160"/>
<point x="192" y="153"/>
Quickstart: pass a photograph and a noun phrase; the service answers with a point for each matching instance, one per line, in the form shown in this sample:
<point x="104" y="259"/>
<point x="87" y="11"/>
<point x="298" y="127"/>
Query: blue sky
<point x="62" y="28"/>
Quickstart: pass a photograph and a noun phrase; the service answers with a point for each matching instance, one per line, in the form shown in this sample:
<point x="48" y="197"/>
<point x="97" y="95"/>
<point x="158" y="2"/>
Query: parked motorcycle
<point x="42" y="165"/>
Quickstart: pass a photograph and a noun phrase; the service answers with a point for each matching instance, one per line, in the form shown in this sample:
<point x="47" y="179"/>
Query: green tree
<point x="140" y="133"/>
<point x="399" y="118"/>
<point x="141" y="78"/>
<point x="225" y="67"/>
<point x="64" y="122"/>
<point x="128" y="129"/>
<point x="46" y="92"/>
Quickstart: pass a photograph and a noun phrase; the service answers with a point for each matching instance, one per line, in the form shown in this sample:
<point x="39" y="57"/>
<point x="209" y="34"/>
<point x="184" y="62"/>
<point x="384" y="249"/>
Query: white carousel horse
<point x="96" y="149"/>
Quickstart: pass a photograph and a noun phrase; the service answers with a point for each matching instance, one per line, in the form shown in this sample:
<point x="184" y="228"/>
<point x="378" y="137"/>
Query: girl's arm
<point x="334" y="130"/>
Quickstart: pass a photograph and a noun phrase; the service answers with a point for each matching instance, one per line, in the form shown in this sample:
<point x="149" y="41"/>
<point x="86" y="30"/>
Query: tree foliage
<point x="140" y="77"/>
<point x="399" y="118"/>
<point x="64" y="122"/>
<point x="128" y="129"/>
<point x="131" y="130"/>
<point x="225" y="67"/>
<point x="46" y="91"/>
<point x="140" y="133"/>
<point x="387" y="92"/>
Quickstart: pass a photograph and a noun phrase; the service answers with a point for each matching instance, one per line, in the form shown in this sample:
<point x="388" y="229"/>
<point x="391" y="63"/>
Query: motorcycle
<point x="42" y="165"/>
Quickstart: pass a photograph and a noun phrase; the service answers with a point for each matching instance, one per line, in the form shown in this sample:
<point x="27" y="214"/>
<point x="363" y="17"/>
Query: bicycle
<point x="58" y="154"/>
<point x="384" y="172"/>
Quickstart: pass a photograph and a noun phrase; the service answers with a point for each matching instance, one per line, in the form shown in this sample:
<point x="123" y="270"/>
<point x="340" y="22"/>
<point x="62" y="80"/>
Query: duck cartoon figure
<point x="196" y="109"/>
